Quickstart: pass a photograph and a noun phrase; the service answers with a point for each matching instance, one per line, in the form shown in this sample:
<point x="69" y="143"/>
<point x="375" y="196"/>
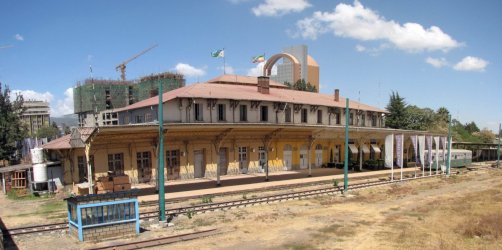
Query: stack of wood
<point x="107" y="184"/>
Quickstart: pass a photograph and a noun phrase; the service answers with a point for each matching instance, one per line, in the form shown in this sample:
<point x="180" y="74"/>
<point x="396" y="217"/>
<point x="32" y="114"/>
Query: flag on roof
<point x="259" y="59"/>
<point x="218" y="53"/>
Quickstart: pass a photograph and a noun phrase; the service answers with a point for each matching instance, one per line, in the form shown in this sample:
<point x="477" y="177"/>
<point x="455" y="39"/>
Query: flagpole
<point x="224" y="72"/>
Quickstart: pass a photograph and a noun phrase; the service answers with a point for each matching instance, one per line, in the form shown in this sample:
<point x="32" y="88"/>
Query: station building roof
<point x="245" y="88"/>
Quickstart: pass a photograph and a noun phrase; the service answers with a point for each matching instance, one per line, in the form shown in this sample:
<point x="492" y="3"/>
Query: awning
<point x="365" y="149"/>
<point x="375" y="148"/>
<point x="353" y="148"/>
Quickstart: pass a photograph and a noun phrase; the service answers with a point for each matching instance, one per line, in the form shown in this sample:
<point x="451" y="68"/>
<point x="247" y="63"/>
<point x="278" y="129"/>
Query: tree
<point x="49" y="132"/>
<point x="471" y="127"/>
<point x="397" y="112"/>
<point x="485" y="135"/>
<point x="418" y="119"/>
<point x="12" y="130"/>
<point x="301" y="85"/>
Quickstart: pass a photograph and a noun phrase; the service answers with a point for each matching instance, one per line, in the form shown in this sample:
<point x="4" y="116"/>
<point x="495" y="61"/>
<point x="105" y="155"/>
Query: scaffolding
<point x="95" y="95"/>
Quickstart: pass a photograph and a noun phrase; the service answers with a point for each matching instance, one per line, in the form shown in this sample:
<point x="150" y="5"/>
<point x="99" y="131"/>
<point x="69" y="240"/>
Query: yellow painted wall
<point x="186" y="158"/>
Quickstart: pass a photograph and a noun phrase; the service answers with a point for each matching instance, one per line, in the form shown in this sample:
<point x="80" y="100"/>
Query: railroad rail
<point x="160" y="241"/>
<point x="202" y="208"/>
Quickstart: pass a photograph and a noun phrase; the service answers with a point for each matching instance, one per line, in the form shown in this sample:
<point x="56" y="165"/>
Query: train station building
<point x="229" y="125"/>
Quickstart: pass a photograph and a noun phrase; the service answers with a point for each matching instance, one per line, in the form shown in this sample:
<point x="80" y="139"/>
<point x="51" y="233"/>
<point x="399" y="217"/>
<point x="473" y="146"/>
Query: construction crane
<point x="122" y="66"/>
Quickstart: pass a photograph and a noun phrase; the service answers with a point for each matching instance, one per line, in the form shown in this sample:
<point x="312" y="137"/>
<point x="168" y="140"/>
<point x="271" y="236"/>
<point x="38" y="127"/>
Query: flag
<point x="218" y="53"/>
<point x="259" y="59"/>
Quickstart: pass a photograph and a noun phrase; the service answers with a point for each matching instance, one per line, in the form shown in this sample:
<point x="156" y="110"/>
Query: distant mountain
<point x="70" y="120"/>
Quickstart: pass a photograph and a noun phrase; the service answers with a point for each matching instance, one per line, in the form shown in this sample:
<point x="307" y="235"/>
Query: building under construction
<point x="95" y="99"/>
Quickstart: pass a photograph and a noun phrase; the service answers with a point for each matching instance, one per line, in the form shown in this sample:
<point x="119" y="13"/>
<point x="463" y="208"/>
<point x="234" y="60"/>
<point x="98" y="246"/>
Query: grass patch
<point x="487" y="226"/>
<point x="338" y="230"/>
<point x="298" y="246"/>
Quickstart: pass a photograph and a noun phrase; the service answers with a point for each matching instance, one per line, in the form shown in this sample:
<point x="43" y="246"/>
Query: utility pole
<point x="346" y="150"/>
<point x="160" y="171"/>
<point x="448" y="156"/>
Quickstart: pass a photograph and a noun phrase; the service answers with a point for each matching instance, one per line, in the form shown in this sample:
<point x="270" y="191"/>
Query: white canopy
<point x="353" y="149"/>
<point x="375" y="148"/>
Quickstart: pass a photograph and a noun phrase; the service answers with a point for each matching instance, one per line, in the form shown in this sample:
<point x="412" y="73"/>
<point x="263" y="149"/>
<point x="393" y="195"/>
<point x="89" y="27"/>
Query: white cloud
<point x="470" y="63"/>
<point x="32" y="95"/>
<point x="189" y="70"/>
<point x="58" y="107"/>
<point x="360" y="48"/>
<point x="237" y="1"/>
<point x="65" y="106"/>
<point x="18" y="37"/>
<point x="361" y="23"/>
<point x="436" y="62"/>
<point x="6" y="46"/>
<point x="258" y="70"/>
<point x="280" y="7"/>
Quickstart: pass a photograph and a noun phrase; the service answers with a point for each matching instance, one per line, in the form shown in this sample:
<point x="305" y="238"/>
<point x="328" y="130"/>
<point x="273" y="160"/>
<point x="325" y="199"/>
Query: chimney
<point x="263" y="84"/>
<point x="337" y="95"/>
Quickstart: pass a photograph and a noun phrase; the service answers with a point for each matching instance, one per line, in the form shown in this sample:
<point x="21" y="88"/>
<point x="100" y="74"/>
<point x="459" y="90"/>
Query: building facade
<point x="35" y="116"/>
<point x="296" y="64"/>
<point x="229" y="125"/>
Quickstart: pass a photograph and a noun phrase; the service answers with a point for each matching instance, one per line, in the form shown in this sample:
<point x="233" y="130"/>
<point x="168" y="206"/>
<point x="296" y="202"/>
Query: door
<point x="243" y="159"/>
<point x="288" y="157"/>
<point x="262" y="158"/>
<point x="199" y="166"/>
<point x="304" y="157"/>
<point x="336" y="153"/>
<point x="318" y="155"/>
<point x="144" y="164"/>
<point x="223" y="161"/>
<point x="173" y="164"/>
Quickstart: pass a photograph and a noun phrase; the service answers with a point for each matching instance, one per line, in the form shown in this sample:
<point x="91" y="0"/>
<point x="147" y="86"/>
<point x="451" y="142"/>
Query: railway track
<point x="160" y="241"/>
<point x="203" y="208"/>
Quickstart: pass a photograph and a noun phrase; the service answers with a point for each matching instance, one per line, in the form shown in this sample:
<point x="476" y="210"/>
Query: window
<point x="221" y="112"/>
<point x="198" y="112"/>
<point x="264" y="114"/>
<point x="148" y="117"/>
<point x="337" y="118"/>
<point x="144" y="163"/>
<point x="319" y="116"/>
<point x="243" y="156"/>
<point x="304" y="115"/>
<point x="139" y="119"/>
<point x="373" y="120"/>
<point x="287" y="114"/>
<point x="116" y="163"/>
<point x="243" y="113"/>
<point x="173" y="161"/>
<point x="82" y="167"/>
<point x="351" y="119"/>
<point x="363" y="120"/>
<point x="126" y="119"/>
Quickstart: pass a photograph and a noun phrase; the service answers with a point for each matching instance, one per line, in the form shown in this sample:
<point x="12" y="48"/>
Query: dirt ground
<point x="459" y="212"/>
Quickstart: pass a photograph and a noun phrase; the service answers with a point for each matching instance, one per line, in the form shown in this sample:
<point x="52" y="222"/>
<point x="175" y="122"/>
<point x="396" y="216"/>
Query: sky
<point x="433" y="53"/>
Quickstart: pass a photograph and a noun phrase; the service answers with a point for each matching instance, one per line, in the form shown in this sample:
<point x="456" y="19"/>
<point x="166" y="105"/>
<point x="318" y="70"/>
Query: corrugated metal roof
<point x="59" y="143"/>
<point x="249" y="92"/>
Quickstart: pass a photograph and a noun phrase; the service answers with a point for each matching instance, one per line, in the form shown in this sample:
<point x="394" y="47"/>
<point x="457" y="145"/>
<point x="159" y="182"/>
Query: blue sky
<point x="434" y="53"/>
